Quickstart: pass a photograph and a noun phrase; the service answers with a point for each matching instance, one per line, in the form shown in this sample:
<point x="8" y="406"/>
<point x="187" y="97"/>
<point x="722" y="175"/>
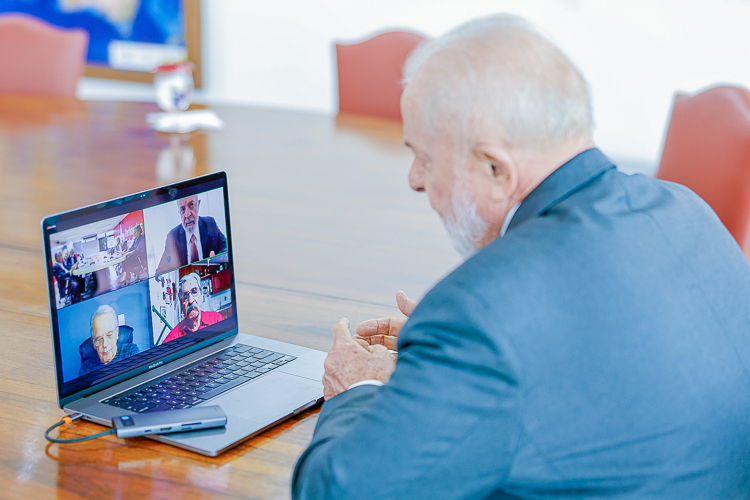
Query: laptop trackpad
<point x="269" y="398"/>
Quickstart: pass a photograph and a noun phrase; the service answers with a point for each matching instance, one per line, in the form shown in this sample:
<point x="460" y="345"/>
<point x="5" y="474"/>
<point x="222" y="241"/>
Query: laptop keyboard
<point x="203" y="380"/>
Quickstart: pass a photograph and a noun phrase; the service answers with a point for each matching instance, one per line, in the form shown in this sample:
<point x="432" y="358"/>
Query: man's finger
<point x="390" y="342"/>
<point x="340" y="331"/>
<point x="359" y="340"/>
<point x="367" y="328"/>
<point x="373" y="339"/>
<point x="381" y="326"/>
<point x="378" y="349"/>
<point x="405" y="304"/>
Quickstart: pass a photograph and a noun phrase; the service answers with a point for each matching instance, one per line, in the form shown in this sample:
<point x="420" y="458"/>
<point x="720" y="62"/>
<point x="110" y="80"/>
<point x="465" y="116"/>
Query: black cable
<point x="67" y="420"/>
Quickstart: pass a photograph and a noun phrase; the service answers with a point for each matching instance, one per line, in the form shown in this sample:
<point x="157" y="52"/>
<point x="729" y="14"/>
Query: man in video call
<point x="191" y="298"/>
<point x="135" y="257"/>
<point x="69" y="258"/>
<point x="104" y="334"/>
<point x="64" y="277"/>
<point x="195" y="239"/>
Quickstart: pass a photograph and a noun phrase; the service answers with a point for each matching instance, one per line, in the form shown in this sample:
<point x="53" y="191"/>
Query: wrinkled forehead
<point x="189" y="283"/>
<point x="189" y="202"/>
<point x="104" y="323"/>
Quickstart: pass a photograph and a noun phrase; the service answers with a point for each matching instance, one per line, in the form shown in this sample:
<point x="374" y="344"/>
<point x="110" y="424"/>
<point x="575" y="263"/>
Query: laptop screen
<point x="138" y="281"/>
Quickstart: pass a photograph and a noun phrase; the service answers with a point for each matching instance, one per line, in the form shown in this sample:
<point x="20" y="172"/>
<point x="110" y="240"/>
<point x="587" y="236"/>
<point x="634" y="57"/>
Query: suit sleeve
<point x="217" y="240"/>
<point x="445" y="426"/>
<point x="222" y="242"/>
<point x="169" y="259"/>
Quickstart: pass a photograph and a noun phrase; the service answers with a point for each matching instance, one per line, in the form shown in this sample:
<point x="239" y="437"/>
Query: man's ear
<point x="502" y="168"/>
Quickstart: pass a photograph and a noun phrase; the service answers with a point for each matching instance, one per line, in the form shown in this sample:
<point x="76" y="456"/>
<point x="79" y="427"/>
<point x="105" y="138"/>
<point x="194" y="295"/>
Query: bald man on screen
<point x="595" y="342"/>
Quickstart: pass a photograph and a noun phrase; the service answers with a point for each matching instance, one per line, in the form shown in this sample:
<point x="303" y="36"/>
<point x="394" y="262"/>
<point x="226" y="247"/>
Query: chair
<point x="62" y="287"/>
<point x="135" y="267"/>
<point x="370" y="72"/>
<point x="707" y="148"/>
<point x="86" y="349"/>
<point x="61" y="293"/>
<point x="38" y="58"/>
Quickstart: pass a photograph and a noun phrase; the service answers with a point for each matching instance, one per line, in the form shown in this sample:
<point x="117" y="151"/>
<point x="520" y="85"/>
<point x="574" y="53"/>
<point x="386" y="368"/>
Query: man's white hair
<point x="497" y="78"/>
<point x="193" y="276"/>
<point x="101" y="311"/>
<point x="197" y="198"/>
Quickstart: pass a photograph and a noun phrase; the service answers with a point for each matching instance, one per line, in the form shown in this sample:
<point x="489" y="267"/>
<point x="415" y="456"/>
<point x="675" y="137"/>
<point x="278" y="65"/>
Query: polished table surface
<point x="324" y="226"/>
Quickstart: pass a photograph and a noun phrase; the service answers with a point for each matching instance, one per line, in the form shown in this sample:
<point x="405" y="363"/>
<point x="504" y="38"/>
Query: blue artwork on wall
<point x="135" y="35"/>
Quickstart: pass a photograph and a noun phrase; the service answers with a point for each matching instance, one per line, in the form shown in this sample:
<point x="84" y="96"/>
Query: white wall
<point x="635" y="53"/>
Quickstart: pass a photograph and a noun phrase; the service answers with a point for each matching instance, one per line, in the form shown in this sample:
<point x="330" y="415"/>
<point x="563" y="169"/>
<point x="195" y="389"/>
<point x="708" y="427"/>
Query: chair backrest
<point x="369" y="73"/>
<point x="707" y="148"/>
<point x="38" y="58"/>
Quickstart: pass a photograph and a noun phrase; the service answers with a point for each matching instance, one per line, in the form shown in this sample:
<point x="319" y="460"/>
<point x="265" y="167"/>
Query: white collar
<point x="508" y="218"/>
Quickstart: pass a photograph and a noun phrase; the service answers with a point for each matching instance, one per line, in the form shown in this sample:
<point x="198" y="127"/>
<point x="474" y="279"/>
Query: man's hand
<point x="348" y="362"/>
<point x="384" y="331"/>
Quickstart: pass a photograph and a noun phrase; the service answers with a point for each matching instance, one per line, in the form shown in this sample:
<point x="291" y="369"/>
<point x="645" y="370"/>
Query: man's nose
<point x="416" y="178"/>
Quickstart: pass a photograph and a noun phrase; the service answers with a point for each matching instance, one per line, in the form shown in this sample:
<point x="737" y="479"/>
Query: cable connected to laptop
<point x="68" y="419"/>
<point x="160" y="422"/>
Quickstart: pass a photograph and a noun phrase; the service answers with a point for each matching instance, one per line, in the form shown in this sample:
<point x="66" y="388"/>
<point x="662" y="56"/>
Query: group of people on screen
<point x="192" y="251"/>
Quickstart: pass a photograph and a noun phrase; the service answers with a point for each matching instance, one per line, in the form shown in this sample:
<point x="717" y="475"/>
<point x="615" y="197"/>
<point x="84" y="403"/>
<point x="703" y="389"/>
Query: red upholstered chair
<point x="38" y="58"/>
<point x="370" y="73"/>
<point x="707" y="149"/>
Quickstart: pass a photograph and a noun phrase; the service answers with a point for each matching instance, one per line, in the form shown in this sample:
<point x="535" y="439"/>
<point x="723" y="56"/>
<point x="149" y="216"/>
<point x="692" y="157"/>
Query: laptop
<point x="144" y="318"/>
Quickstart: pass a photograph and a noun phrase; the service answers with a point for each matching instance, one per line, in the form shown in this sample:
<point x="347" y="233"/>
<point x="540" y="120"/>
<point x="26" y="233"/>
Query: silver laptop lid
<point x="137" y="282"/>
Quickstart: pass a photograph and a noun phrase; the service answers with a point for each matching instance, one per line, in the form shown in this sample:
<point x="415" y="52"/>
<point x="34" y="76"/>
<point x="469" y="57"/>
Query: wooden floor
<point x="324" y="226"/>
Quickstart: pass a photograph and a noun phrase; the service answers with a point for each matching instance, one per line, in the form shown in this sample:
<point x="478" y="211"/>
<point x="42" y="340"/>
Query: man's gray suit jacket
<point x="600" y="349"/>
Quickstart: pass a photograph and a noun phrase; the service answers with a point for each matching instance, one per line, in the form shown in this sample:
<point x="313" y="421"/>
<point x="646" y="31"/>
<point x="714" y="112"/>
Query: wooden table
<point x="324" y="225"/>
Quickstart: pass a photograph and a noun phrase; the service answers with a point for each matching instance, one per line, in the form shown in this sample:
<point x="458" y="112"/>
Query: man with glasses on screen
<point x="104" y="335"/>
<point x="191" y="298"/>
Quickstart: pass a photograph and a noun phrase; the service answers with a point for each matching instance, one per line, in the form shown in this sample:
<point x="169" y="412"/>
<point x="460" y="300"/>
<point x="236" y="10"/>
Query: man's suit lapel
<point x="561" y="183"/>
<point x="203" y="228"/>
<point x="182" y="246"/>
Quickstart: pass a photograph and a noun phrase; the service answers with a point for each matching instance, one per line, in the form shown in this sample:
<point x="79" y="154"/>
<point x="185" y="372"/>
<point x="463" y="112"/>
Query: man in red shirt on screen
<point x="191" y="298"/>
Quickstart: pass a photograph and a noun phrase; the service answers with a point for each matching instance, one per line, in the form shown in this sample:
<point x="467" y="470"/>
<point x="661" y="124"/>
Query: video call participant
<point x="69" y="259"/>
<point x="104" y="335"/>
<point x="65" y="280"/>
<point x="135" y="260"/>
<point x="191" y="298"/>
<point x="120" y="246"/>
<point x="195" y="239"/>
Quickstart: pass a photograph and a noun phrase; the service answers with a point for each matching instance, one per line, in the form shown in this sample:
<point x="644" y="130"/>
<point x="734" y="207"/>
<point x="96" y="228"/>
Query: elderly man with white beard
<point x="593" y="345"/>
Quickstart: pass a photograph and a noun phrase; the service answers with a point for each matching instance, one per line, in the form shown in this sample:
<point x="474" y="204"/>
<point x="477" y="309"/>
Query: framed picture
<point x="127" y="38"/>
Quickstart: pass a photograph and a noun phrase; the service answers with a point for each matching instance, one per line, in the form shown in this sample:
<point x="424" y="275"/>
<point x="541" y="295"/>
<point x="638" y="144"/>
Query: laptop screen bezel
<point x="118" y="206"/>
